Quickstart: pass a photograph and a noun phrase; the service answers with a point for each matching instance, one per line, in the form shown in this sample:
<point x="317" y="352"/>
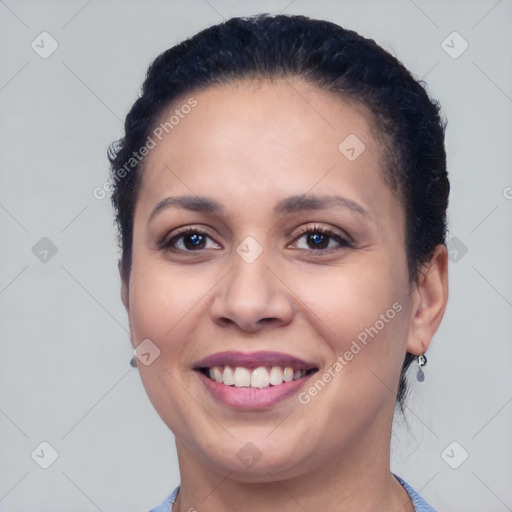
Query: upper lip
<point x="253" y="360"/>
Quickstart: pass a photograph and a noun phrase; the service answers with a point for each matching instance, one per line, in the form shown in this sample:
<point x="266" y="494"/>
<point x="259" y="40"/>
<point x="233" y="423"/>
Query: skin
<point x="248" y="146"/>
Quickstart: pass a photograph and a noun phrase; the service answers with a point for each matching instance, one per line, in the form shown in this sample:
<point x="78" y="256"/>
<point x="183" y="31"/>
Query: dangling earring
<point x="133" y="361"/>
<point x="422" y="361"/>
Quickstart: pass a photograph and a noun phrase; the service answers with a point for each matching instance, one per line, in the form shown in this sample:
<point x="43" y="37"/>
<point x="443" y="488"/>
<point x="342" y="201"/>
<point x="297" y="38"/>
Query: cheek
<point x="162" y="303"/>
<point x="361" y="315"/>
<point x="347" y="301"/>
<point x="163" y="308"/>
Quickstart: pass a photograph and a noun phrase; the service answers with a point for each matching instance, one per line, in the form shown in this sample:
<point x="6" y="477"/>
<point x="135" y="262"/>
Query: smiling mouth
<point x="259" y="377"/>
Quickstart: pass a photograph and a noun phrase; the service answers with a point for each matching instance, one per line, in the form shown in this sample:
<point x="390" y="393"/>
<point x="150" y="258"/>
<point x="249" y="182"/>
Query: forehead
<point x="263" y="139"/>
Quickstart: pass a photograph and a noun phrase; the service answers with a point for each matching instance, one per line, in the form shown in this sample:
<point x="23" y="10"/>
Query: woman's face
<point x="247" y="286"/>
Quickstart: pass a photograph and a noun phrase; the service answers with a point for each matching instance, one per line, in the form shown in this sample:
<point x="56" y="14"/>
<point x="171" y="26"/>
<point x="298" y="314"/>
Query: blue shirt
<point x="420" y="505"/>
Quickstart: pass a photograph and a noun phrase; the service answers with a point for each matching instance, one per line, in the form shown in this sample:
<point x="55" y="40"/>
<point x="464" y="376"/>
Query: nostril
<point x="226" y="322"/>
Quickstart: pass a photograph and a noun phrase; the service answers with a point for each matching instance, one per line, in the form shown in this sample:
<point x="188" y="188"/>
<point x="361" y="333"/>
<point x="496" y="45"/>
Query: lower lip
<point x="252" y="398"/>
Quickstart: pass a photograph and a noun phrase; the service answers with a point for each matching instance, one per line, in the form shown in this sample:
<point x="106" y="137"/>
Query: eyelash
<point x="168" y="244"/>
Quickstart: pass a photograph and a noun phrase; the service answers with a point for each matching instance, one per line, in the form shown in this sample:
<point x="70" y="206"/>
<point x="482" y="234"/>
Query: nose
<point x="252" y="297"/>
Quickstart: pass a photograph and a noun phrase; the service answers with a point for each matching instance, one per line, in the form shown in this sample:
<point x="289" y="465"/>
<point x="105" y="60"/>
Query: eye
<point x="189" y="239"/>
<point x="322" y="240"/>
<point x="316" y="239"/>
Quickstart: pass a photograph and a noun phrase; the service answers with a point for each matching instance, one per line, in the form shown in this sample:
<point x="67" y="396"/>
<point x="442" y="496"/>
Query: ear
<point x="124" y="285"/>
<point x="429" y="302"/>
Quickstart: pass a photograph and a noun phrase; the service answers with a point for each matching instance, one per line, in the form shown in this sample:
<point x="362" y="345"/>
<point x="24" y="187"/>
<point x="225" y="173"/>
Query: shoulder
<point x="166" y="505"/>
<point x="420" y="505"/>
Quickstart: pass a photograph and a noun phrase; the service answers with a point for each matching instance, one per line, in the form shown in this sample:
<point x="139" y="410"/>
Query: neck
<point x="354" y="480"/>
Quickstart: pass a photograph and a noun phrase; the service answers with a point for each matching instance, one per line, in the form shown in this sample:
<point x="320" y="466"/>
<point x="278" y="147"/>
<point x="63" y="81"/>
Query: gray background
<point x="64" y="372"/>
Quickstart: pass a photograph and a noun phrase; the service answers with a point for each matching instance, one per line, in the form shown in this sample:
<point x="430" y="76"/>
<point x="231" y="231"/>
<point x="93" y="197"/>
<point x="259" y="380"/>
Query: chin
<point x="258" y="460"/>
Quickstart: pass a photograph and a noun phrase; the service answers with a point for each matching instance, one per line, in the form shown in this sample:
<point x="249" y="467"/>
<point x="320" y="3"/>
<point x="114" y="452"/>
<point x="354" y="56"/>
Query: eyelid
<point x="343" y="239"/>
<point x="328" y="230"/>
<point x="165" y="242"/>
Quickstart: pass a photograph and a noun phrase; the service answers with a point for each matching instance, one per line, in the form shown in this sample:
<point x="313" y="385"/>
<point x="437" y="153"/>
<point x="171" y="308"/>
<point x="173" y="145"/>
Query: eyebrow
<point x="315" y="202"/>
<point x="193" y="203"/>
<point x="292" y="203"/>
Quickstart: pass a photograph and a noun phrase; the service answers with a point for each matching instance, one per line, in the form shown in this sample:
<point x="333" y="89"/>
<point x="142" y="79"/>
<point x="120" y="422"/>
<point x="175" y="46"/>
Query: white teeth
<point x="258" y="378"/>
<point x="242" y="377"/>
<point x="217" y="374"/>
<point x="276" y="376"/>
<point x="228" y="377"/>
<point x="288" y="374"/>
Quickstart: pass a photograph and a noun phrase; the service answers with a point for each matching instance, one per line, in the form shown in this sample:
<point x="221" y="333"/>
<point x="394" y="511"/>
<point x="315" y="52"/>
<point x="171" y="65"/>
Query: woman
<point x="281" y="196"/>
